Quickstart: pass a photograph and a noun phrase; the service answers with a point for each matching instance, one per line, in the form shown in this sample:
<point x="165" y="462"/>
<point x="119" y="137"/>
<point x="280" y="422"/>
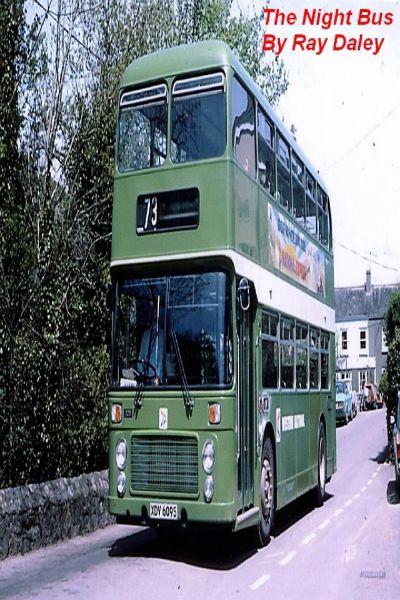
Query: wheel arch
<point x="323" y="421"/>
<point x="269" y="432"/>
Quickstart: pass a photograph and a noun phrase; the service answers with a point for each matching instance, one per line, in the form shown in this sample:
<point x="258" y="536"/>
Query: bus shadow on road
<point x="295" y="511"/>
<point x="202" y="549"/>
<point x="206" y="549"/>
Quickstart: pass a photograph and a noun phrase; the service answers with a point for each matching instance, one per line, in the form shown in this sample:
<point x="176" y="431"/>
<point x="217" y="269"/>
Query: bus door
<point x="245" y="412"/>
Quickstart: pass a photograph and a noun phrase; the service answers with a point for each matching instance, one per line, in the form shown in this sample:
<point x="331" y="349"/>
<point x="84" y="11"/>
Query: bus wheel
<point x="267" y="493"/>
<point x="320" y="491"/>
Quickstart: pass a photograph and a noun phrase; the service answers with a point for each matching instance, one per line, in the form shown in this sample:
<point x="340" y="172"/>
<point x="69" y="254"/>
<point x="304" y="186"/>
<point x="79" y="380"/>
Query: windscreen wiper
<point x="187" y="398"/>
<point x="137" y="401"/>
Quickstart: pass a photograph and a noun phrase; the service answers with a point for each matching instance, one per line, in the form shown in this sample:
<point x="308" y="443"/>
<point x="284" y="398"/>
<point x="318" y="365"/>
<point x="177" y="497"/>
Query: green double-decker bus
<point x="221" y="407"/>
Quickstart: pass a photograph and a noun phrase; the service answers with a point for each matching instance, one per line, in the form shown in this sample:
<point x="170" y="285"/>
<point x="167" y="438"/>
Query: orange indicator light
<point x="214" y="413"/>
<point x="116" y="413"/>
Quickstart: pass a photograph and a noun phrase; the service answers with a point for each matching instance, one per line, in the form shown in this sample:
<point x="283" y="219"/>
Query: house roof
<point x="361" y="303"/>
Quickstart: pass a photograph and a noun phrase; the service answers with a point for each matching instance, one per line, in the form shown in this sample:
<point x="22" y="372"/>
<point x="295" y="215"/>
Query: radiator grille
<point x="164" y="464"/>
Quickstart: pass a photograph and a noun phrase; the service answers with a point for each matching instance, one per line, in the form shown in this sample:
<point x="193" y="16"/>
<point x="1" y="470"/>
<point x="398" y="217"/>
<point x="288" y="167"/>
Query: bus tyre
<point x="320" y="491"/>
<point x="267" y="493"/>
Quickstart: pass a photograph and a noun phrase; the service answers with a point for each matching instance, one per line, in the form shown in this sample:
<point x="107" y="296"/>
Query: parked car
<point x="396" y="441"/>
<point x="344" y="402"/>
<point x="354" y="403"/>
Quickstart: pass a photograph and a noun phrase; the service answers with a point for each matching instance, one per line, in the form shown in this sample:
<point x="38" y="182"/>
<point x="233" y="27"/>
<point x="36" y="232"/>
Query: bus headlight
<point x="121" y="454"/>
<point x="208" y="456"/>
<point x="208" y="488"/>
<point x="121" y="483"/>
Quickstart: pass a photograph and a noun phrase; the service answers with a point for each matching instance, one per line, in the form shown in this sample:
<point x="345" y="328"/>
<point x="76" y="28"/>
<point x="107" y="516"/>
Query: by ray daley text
<point x="317" y="30"/>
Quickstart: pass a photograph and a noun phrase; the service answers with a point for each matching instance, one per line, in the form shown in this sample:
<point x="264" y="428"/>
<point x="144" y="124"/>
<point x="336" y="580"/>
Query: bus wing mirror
<point x="244" y="294"/>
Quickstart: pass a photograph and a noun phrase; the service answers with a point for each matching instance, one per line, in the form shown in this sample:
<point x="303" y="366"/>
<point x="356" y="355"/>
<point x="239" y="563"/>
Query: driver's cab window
<point x="141" y="331"/>
<point x="172" y="331"/>
<point x="151" y="350"/>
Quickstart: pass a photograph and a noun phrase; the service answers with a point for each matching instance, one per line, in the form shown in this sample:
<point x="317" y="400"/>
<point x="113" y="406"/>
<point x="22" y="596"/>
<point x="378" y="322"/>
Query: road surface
<point x="347" y="549"/>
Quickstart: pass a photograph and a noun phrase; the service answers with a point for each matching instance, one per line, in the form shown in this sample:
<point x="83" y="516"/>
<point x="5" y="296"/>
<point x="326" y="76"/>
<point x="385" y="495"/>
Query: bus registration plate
<point x="159" y="510"/>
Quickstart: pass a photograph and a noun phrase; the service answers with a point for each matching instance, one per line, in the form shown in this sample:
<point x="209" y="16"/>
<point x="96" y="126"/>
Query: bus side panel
<point x="245" y="207"/>
<point x="331" y="414"/>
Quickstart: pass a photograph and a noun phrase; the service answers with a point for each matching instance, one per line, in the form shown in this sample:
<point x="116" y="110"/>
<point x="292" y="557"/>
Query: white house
<point x="360" y="339"/>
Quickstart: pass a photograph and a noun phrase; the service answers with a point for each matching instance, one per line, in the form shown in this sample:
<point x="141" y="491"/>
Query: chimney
<point x="368" y="286"/>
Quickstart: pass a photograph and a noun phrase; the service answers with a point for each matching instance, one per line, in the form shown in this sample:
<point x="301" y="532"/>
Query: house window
<point x="363" y="339"/>
<point x="362" y="378"/>
<point x="344" y="340"/>
<point x="384" y="342"/>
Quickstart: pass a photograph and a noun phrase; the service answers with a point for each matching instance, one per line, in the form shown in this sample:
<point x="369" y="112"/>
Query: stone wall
<point x="36" y="515"/>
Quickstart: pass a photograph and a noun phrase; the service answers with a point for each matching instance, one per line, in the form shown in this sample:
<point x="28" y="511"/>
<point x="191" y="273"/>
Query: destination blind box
<point x="167" y="211"/>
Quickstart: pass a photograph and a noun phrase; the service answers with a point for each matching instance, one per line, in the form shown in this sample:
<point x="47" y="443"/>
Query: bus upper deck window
<point x="198" y="118"/>
<point x="323" y="222"/>
<point x="311" y="208"/>
<point x="283" y="173"/>
<point x="142" y="129"/>
<point x="266" y="153"/>
<point x="298" y="189"/>
<point x="243" y="132"/>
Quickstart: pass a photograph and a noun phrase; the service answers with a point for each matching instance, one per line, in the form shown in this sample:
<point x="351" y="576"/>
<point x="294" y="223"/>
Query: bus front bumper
<point x="142" y="511"/>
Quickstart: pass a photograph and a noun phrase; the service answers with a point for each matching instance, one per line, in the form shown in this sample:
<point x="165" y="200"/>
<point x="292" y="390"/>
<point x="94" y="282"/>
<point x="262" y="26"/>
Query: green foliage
<point x="11" y="52"/>
<point x="59" y="80"/>
<point x="210" y="19"/>
<point x="53" y="352"/>
<point x="384" y="384"/>
<point x="392" y="316"/>
<point x="392" y="382"/>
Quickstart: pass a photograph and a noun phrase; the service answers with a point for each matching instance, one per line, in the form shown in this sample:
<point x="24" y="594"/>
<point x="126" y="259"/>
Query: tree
<point x="50" y="375"/>
<point x="392" y="317"/>
<point x="392" y="332"/>
<point x="59" y="80"/>
<point x="13" y="248"/>
<point x="211" y="19"/>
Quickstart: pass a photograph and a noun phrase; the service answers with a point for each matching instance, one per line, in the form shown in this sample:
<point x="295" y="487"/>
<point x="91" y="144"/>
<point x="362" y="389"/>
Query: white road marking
<point x="324" y="524"/>
<point x="260" y="582"/>
<point x="288" y="558"/>
<point x="308" y="539"/>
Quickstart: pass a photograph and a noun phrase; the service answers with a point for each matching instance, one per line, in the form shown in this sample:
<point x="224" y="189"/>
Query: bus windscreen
<point x="156" y="319"/>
